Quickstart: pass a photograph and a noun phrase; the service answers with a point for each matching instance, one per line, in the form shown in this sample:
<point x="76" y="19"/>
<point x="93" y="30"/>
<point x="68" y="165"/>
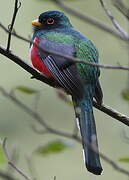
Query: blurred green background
<point x="16" y="124"/>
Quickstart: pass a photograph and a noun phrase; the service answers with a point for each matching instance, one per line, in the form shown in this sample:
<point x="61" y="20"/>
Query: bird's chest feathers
<point x="36" y="58"/>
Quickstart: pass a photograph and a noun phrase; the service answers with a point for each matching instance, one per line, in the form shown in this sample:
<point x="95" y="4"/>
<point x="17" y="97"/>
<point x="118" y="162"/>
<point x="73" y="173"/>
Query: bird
<point x="53" y="31"/>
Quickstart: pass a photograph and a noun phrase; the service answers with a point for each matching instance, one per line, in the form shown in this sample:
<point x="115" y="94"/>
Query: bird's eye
<point x="50" y="21"/>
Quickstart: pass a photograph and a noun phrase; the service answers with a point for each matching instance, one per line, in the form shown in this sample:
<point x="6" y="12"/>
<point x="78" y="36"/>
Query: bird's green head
<point x="51" y="20"/>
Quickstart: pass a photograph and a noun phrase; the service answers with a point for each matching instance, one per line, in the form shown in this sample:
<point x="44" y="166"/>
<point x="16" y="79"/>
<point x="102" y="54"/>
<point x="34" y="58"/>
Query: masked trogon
<point x="54" y="32"/>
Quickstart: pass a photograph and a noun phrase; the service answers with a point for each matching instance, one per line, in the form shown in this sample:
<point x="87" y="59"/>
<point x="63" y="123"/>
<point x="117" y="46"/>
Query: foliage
<point x="124" y="159"/>
<point x="2" y="157"/>
<point x="55" y="146"/>
<point x="24" y="89"/>
<point x="125" y="94"/>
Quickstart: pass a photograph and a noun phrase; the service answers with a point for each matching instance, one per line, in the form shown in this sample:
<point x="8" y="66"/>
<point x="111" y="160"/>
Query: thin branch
<point x="88" y="19"/>
<point x="33" y="114"/>
<point x="11" y="163"/>
<point x="14" y="157"/>
<point x="113" y="113"/>
<point x="39" y="131"/>
<point x="48" y="81"/>
<point x="38" y="76"/>
<point x="26" y="67"/>
<point x="114" y="22"/>
<point x="104" y="108"/>
<point x="124" y="136"/>
<point x="16" y="8"/>
<point x="38" y="118"/>
<point x="31" y="167"/>
<point x="114" y="165"/>
<point x="72" y="59"/>
<point x="121" y="7"/>
<point x="6" y="176"/>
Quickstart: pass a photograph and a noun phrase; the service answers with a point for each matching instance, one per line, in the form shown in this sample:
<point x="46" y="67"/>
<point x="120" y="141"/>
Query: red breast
<point x="36" y="59"/>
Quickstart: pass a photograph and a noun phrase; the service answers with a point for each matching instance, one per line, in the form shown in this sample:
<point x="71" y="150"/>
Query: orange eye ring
<point x="50" y="21"/>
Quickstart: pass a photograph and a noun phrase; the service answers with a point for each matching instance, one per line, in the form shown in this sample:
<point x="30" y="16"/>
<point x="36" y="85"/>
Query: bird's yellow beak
<point x="36" y="23"/>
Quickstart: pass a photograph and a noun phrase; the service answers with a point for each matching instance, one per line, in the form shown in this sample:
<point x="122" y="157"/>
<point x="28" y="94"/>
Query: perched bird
<point x="54" y="32"/>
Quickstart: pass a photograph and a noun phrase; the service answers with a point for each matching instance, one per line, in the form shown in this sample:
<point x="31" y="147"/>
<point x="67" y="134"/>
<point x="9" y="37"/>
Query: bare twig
<point x="33" y="114"/>
<point x="114" y="165"/>
<point x="88" y="19"/>
<point x="31" y="166"/>
<point x="38" y="118"/>
<point x="114" y="22"/>
<point x="6" y="176"/>
<point x="72" y="59"/>
<point x="14" y="157"/>
<point x="26" y="67"/>
<point x="124" y="136"/>
<point x="16" y="8"/>
<point x="104" y="108"/>
<point x="39" y="131"/>
<point x="111" y="112"/>
<point x="11" y="163"/>
<point x="121" y="7"/>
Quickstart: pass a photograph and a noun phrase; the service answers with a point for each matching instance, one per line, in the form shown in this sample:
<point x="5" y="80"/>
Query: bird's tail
<point x="89" y="136"/>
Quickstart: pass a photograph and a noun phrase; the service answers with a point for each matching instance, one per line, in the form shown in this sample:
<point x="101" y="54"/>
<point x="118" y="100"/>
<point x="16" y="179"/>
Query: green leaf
<point x="124" y="159"/>
<point x="2" y="157"/>
<point x="125" y="94"/>
<point x="56" y="146"/>
<point x="24" y="89"/>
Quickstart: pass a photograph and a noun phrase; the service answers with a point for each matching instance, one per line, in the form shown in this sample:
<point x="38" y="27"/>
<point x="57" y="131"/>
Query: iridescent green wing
<point x="63" y="71"/>
<point x="86" y="50"/>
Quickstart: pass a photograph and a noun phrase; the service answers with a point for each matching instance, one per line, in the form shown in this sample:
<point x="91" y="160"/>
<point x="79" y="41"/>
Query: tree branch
<point x="121" y="7"/>
<point x="11" y="163"/>
<point x="124" y="119"/>
<point x="6" y="176"/>
<point x="104" y="108"/>
<point x="38" y="118"/>
<point x="113" y="113"/>
<point x="72" y="59"/>
<point x="16" y="8"/>
<point x="89" y="19"/>
<point x="114" y="22"/>
<point x="26" y="67"/>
